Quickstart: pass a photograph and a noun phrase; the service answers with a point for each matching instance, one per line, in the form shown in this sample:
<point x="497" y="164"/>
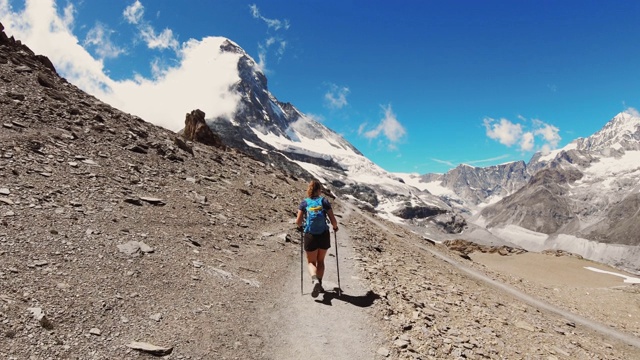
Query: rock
<point x="134" y="248"/>
<point x="156" y="317"/>
<point x="192" y="242"/>
<point x="16" y="96"/>
<point x="525" y="326"/>
<point x="145" y="248"/>
<point x="90" y="162"/>
<point x="150" y="348"/>
<point x="23" y="69"/>
<point x="182" y="145"/>
<point x="151" y="200"/>
<point x="38" y="314"/>
<point x="95" y="331"/>
<point x="131" y="248"/>
<point x="137" y="149"/>
<point x="134" y="201"/>
<point x="197" y="130"/>
<point x="401" y="343"/>
<point x="383" y="352"/>
<point x="5" y="191"/>
<point x="45" y="81"/>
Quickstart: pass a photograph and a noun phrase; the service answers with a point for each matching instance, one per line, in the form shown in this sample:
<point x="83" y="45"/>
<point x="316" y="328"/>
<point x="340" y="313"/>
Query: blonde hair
<point x="315" y="187"/>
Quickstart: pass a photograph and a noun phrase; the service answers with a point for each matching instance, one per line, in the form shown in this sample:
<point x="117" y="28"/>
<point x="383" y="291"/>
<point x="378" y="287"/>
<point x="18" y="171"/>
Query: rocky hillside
<point x="115" y="231"/>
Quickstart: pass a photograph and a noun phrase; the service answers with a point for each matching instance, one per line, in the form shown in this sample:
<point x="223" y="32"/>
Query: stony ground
<point x="116" y="235"/>
<point x="432" y="310"/>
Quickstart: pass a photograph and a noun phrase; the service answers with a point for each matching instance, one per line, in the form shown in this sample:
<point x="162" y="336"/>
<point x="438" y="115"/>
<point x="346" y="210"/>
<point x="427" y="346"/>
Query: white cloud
<point x="506" y="132"/>
<point x="336" y="97"/>
<point x="527" y="141"/>
<point x="548" y="132"/>
<point x="134" y="12"/>
<point x="281" y="48"/>
<point x="389" y="127"/>
<point x="633" y="112"/>
<point x="263" y="48"/>
<point x="202" y="78"/>
<point x="445" y="162"/>
<point x="275" y="24"/>
<point x="164" y="40"/>
<point x="46" y="32"/>
<point x="68" y="15"/>
<point x="362" y="128"/>
<point x="100" y="37"/>
<point x="509" y="133"/>
<point x="487" y="160"/>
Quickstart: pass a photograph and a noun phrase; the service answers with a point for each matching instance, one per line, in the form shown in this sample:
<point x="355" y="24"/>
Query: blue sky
<point x="417" y="86"/>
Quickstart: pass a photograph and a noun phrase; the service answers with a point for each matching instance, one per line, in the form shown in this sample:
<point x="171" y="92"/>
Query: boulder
<point x="197" y="130"/>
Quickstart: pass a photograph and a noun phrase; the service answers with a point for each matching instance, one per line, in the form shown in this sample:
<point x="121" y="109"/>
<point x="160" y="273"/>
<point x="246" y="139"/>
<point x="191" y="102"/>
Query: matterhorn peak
<point x="230" y="46"/>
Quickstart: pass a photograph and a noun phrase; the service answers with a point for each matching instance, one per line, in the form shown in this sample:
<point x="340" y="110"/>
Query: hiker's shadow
<point x="365" y="300"/>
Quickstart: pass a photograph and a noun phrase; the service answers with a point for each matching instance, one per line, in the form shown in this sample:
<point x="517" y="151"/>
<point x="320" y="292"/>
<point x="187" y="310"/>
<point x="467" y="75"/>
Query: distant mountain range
<point x="583" y="198"/>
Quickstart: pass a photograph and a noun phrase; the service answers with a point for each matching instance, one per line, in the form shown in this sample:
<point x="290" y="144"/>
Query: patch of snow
<point x="276" y="108"/>
<point x="527" y="239"/>
<point x="627" y="279"/>
<point x="622" y="256"/>
<point x="552" y="154"/>
<point x="252" y="144"/>
<point x="612" y="167"/>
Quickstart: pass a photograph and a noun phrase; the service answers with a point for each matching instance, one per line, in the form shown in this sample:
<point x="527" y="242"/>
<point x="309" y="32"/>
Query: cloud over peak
<point x="200" y="77"/>
<point x="509" y="133"/>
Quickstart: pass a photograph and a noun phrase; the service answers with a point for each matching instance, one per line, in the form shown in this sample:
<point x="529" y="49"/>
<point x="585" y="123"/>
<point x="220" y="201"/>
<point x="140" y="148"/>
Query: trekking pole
<point x="335" y="237"/>
<point x="301" y="262"/>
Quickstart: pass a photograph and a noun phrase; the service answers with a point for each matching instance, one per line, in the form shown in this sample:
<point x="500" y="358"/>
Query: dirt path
<point x="329" y="326"/>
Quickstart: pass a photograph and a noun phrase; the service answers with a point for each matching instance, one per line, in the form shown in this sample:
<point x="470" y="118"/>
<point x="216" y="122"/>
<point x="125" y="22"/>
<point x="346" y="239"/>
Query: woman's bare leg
<point x="312" y="258"/>
<point x="320" y="262"/>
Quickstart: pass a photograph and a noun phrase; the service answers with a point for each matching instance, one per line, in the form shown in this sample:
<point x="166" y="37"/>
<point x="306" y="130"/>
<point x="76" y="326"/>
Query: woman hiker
<point x="317" y="240"/>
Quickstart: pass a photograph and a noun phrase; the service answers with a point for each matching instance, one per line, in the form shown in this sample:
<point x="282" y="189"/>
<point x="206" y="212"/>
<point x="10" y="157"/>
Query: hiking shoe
<point x="317" y="288"/>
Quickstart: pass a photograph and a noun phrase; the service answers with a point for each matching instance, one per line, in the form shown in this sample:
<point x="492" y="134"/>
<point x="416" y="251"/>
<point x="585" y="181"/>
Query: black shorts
<point x="315" y="242"/>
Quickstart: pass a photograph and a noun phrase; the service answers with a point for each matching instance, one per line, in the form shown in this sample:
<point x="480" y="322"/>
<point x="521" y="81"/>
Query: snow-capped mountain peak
<point x="278" y="133"/>
<point x="621" y="132"/>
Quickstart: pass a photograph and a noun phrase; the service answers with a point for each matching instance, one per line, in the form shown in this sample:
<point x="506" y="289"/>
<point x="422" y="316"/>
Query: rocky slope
<point x="114" y="231"/>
